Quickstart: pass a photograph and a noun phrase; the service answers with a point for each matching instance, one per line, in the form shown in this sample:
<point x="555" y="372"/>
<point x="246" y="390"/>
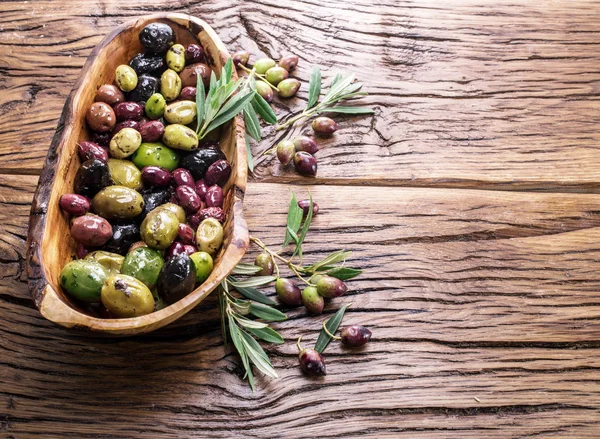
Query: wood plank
<point x="466" y="95"/>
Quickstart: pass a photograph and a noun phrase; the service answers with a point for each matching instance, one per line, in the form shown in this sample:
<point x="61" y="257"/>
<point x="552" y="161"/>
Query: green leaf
<point x="254" y="294"/>
<point x="294" y="219"/>
<point x="340" y="85"/>
<point x="267" y="313"/>
<point x="213" y="80"/>
<point x="264" y="110"/>
<point x="236" y="338"/>
<point x="252" y="123"/>
<point x="335" y="79"/>
<point x="330" y="259"/>
<point x="347" y="110"/>
<point x="228" y="70"/>
<point x="200" y="97"/>
<point x="258" y="355"/>
<point x="247" y="269"/>
<point x="222" y="310"/>
<point x="231" y="109"/>
<point x="247" y="323"/>
<point x="314" y="87"/>
<point x="257" y="281"/>
<point x="305" y="227"/>
<point x="250" y="159"/>
<point x="344" y="273"/>
<point x="332" y="325"/>
<point x="267" y="334"/>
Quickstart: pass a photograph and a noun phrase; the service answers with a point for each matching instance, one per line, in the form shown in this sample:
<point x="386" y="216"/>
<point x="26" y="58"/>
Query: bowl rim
<point x="46" y="299"/>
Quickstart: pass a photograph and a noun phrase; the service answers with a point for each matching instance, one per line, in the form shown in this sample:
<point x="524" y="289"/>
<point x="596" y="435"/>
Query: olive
<point x="305" y="206"/>
<point x="214" y="197"/>
<point x="288" y="62"/>
<point x="100" y="117"/>
<point x="155" y="106"/>
<point x="118" y="202"/>
<point x="81" y="251"/>
<point x="288" y="87"/>
<point x="152" y="131"/>
<point x="312" y="363"/>
<point x="324" y="126"/>
<point x="155" y="154"/>
<point x="125" y="173"/>
<point x="188" y="94"/>
<point x="174" y="208"/>
<point x="185" y="233"/>
<point x="209" y="212"/>
<point x="153" y="198"/>
<point x="265" y="262"/>
<point x="355" y="335"/>
<point x="110" y="94"/>
<point x="182" y="112"/>
<point x="209" y="236"/>
<point x="124" y="235"/>
<point x="170" y="84"/>
<point x="188" y="198"/>
<point x="126" y="78"/>
<point x="194" y="54"/>
<point x="91" y="177"/>
<point x="157" y="37"/>
<point x="101" y="139"/>
<point x="262" y="65"/>
<point x="285" y="152"/>
<point x="329" y="287"/>
<point x="148" y="64"/>
<point x="90" y="150"/>
<point x="183" y="177"/>
<point x="287" y="292"/>
<point x="91" y="230"/>
<point x="180" y="137"/>
<point x="218" y="173"/>
<point x="314" y="279"/>
<point x="110" y="261"/>
<point x="189" y="75"/>
<point x="240" y="57"/>
<point x="156" y="176"/>
<point x="276" y="74"/>
<point x="125" y="296"/>
<point x="199" y="161"/>
<point x="125" y="124"/>
<point x="264" y="90"/>
<point x="313" y="302"/>
<point x="176" y="57"/>
<point x="125" y="143"/>
<point x="203" y="264"/>
<point x="201" y="189"/>
<point x="175" y="249"/>
<point x="83" y="280"/>
<point x="159" y="229"/>
<point x="190" y="249"/>
<point x="74" y="204"/>
<point x="306" y="144"/>
<point x="136" y="245"/>
<point x="177" y="278"/>
<point x="144" y="264"/>
<point x="305" y="163"/>
<point x="128" y="111"/>
<point x="146" y="87"/>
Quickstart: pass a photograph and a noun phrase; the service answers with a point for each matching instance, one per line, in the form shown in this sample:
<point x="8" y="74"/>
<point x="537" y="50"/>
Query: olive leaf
<point x="236" y="338"/>
<point x="264" y="110"/>
<point x="252" y="282"/>
<point x="332" y="325"/>
<point x="344" y="273"/>
<point x="231" y="109"/>
<point x="267" y="334"/>
<point x="252" y="122"/>
<point x="330" y="259"/>
<point x="258" y="356"/>
<point x="266" y="313"/>
<point x="242" y="268"/>
<point x="347" y="110"/>
<point x="250" y="159"/>
<point x="200" y="99"/>
<point x="305" y="227"/>
<point x="294" y="220"/>
<point x="251" y="293"/>
<point x="314" y="87"/>
<point x="247" y="323"/>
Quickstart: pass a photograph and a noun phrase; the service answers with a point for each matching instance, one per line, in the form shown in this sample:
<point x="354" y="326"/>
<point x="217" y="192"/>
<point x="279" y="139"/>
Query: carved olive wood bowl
<point x="50" y="245"/>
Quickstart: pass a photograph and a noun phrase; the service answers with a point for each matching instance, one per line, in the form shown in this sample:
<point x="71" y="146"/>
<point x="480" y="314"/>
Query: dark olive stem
<point x="335" y="337"/>
<point x="258" y="75"/>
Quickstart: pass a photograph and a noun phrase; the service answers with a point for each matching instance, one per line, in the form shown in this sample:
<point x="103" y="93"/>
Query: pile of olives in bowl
<point x="147" y="202"/>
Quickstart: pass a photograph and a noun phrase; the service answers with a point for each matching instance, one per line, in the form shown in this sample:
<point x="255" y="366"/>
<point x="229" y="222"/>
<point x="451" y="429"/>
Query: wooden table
<point x="471" y="199"/>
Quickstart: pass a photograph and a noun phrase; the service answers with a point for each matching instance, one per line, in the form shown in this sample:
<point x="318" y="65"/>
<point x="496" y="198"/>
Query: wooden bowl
<point x="49" y="244"/>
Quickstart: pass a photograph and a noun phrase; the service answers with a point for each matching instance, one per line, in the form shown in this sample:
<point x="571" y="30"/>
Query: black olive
<point x="148" y="64"/>
<point x="177" y="278"/>
<point x="157" y="37"/>
<point x="124" y="236"/>
<point x="199" y="161"/>
<point x="146" y="87"/>
<point x="153" y="198"/>
<point x="92" y="176"/>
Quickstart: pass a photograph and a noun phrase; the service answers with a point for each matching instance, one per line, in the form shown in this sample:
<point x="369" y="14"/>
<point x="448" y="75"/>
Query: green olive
<point x="126" y="78"/>
<point x="182" y="112"/>
<point x="159" y="229"/>
<point x="176" y="57"/>
<point x="180" y="137"/>
<point x="125" y="296"/>
<point x="175" y="208"/>
<point x="125" y="173"/>
<point x="83" y="279"/>
<point x="155" y="106"/>
<point x="125" y="143"/>
<point x="155" y="154"/>
<point x="144" y="264"/>
<point x="204" y="265"/>
<point x="262" y="65"/>
<point x="170" y="84"/>
<point x="118" y="202"/>
<point x="209" y="236"/>
<point x="110" y="261"/>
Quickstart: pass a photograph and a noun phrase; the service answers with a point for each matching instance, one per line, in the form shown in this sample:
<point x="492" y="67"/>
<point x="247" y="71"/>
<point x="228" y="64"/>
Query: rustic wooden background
<point x="471" y="198"/>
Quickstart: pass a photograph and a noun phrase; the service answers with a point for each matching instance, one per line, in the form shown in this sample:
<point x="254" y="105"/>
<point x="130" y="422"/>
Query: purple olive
<point x="190" y="249"/>
<point x="188" y="198"/>
<point x="91" y="230"/>
<point x="201" y="189"/>
<point x="152" y="130"/>
<point x="102" y="139"/>
<point x="265" y="262"/>
<point x="285" y="152"/>
<point x="312" y="363"/>
<point x="156" y="176"/>
<point x="312" y="300"/>
<point x="74" y="204"/>
<point x="324" y="126"/>
<point x="240" y="57"/>
<point x="288" y="62"/>
<point x="185" y="233"/>
<point x="329" y="287"/>
<point x="210" y="212"/>
<point x="305" y="205"/>
<point x="174" y="249"/>
<point x="188" y="94"/>
<point x="305" y="163"/>
<point x="218" y="173"/>
<point x="288" y="292"/>
<point x="81" y="251"/>
<point x="306" y="144"/>
<point x="128" y="111"/>
<point x="214" y="197"/>
<point x="183" y="177"/>
<point x="90" y="150"/>
<point x="288" y="87"/>
<point x="355" y="335"/>
<point x="194" y="54"/>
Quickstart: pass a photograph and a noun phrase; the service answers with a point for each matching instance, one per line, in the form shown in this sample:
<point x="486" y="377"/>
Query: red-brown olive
<point x="201" y="189"/>
<point x="152" y="130"/>
<point x="156" y="176"/>
<point x="189" y="75"/>
<point x="218" y="173"/>
<point x="210" y="212"/>
<point x="324" y="126"/>
<point x="287" y="292"/>
<point x="311" y="361"/>
<point x="100" y="117"/>
<point x="305" y="163"/>
<point x="91" y="230"/>
<point x="190" y="249"/>
<point x="183" y="177"/>
<point x="175" y="249"/>
<point x="214" y="197"/>
<point x="91" y="177"/>
<point x="128" y="111"/>
<point x="194" y="54"/>
<point x="306" y="144"/>
<point x="90" y="150"/>
<point x="188" y="94"/>
<point x="289" y="62"/>
<point x="157" y="37"/>
<point x="177" y="278"/>
<point x="188" y="198"/>
<point x="185" y="233"/>
<point x="110" y="94"/>
<point x="355" y="335"/>
<point x="74" y="204"/>
<point x="305" y="206"/>
<point x="81" y="251"/>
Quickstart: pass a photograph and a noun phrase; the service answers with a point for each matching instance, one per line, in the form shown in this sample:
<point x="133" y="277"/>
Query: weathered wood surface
<point x="485" y="305"/>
